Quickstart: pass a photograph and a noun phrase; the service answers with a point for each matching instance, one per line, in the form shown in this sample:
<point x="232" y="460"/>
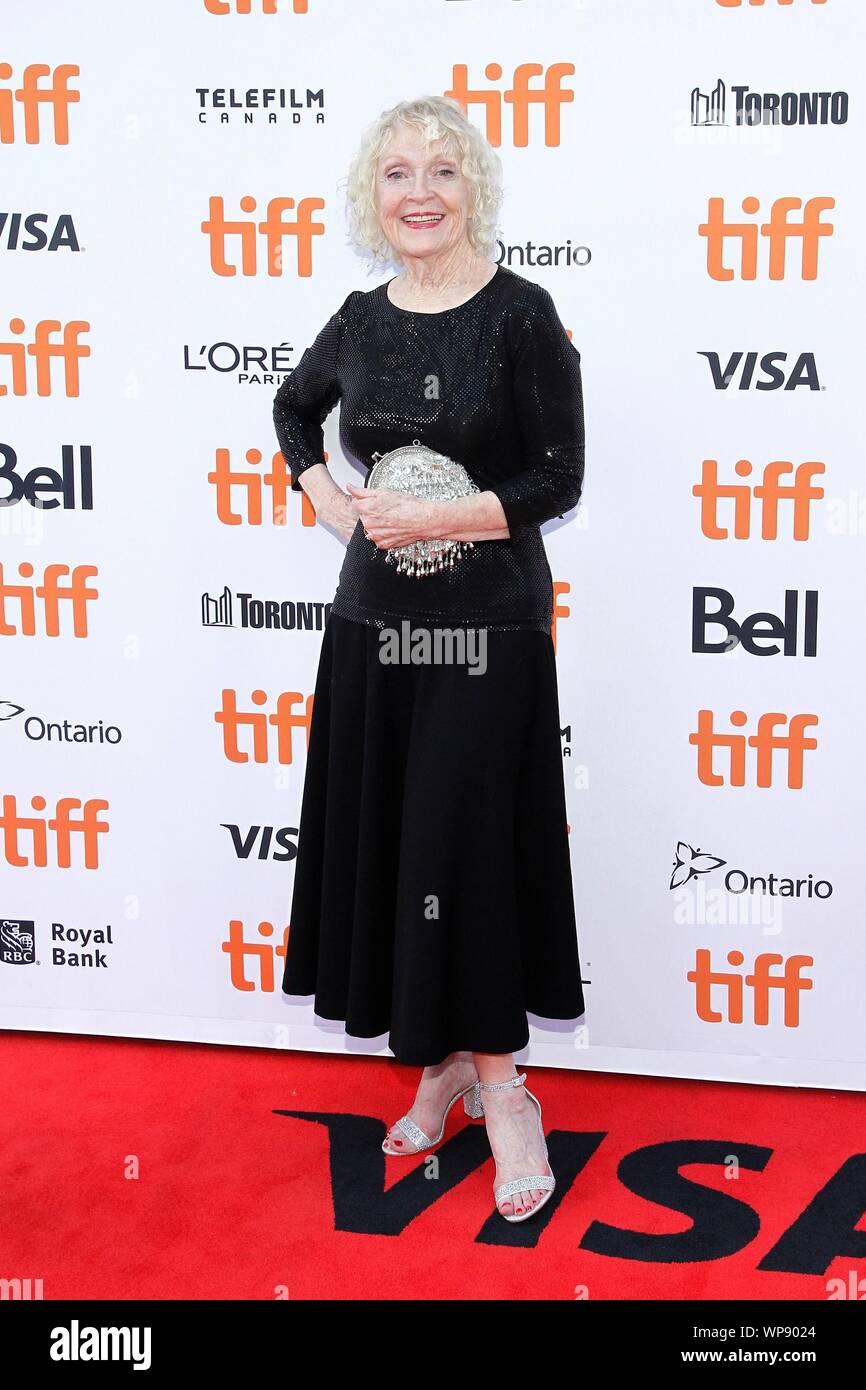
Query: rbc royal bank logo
<point x="17" y="942"/>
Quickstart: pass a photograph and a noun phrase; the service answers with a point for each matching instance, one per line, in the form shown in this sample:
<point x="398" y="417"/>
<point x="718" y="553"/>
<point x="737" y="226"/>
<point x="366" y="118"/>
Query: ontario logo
<point x="742" y="897"/>
<point x="690" y="863"/>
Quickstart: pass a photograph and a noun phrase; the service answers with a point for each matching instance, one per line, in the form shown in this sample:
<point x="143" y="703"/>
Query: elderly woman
<point x="432" y="897"/>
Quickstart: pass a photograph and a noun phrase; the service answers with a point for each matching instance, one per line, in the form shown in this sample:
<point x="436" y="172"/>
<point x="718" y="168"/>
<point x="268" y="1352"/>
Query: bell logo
<point x="273" y="229"/>
<point x="765" y="742"/>
<point x="732" y="986"/>
<point x="778" y="231"/>
<point x="520" y="96"/>
<point x="759" y="633"/>
<point x="769" y="492"/>
<point x="45" y="488"/>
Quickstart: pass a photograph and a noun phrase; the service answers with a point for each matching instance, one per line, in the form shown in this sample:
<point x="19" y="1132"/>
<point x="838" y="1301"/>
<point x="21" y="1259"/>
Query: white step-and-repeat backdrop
<point x="682" y="176"/>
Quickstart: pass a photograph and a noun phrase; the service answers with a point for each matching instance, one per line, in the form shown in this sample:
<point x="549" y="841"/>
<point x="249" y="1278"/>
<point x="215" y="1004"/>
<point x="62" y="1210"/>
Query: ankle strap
<point x="504" y="1085"/>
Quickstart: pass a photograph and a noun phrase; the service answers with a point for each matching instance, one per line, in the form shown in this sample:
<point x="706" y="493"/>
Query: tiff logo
<point x="27" y="98"/>
<point x="706" y="740"/>
<point x="60" y="829"/>
<point x="718" y="232"/>
<point x="735" y="4"/>
<point x="261" y="956"/>
<point x="41" y="351"/>
<point x="789" y="984"/>
<point x="221" y="7"/>
<point x="242" y="727"/>
<point x="521" y="96"/>
<point x="240" y="496"/>
<point x="274" y="229"/>
<point x="767" y="495"/>
<point x="49" y="600"/>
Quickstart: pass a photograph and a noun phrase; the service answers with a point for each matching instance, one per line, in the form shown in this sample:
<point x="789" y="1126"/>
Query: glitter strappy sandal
<point x="471" y="1105"/>
<point x="538" y="1181"/>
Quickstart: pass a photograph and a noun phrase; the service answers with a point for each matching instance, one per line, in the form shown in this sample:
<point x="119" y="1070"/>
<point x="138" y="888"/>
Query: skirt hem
<point x="402" y="1054"/>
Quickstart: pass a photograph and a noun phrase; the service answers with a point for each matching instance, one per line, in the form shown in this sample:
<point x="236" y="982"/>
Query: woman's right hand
<point x="341" y="514"/>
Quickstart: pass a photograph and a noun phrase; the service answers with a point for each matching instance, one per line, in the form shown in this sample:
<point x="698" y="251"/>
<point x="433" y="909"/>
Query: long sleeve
<point x="306" y="398"/>
<point x="548" y="400"/>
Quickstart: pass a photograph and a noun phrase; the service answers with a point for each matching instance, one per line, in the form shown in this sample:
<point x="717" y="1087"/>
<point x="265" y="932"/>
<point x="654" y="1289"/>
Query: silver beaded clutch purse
<point x="433" y="477"/>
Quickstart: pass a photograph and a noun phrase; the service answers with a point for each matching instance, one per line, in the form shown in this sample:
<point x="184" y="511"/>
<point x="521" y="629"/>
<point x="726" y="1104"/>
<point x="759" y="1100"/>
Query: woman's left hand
<point x="391" y="518"/>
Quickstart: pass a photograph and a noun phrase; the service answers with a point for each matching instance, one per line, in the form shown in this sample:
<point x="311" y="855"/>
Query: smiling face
<point x="422" y="197"/>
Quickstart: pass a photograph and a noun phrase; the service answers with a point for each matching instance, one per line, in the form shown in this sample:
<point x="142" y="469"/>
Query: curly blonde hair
<point x="435" y="118"/>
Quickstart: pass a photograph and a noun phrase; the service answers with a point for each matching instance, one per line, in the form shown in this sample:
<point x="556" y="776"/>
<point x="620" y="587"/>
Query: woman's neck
<point x="451" y="272"/>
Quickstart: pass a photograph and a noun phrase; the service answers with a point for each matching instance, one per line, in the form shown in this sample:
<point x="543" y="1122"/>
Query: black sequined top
<point x="495" y="384"/>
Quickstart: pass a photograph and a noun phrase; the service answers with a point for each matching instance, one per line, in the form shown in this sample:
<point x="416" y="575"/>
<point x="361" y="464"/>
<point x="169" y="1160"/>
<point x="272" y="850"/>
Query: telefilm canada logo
<point x="750" y="108"/>
<point x="243" y="105"/>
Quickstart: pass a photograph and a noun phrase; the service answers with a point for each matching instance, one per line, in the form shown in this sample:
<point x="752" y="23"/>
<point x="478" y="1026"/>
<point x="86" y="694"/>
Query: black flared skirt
<point x="433" y="894"/>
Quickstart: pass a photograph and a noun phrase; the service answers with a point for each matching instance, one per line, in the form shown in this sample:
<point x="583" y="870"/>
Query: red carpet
<point x="235" y="1195"/>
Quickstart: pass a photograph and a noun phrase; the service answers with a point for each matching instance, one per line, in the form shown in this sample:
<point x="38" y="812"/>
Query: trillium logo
<point x="690" y="863"/>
